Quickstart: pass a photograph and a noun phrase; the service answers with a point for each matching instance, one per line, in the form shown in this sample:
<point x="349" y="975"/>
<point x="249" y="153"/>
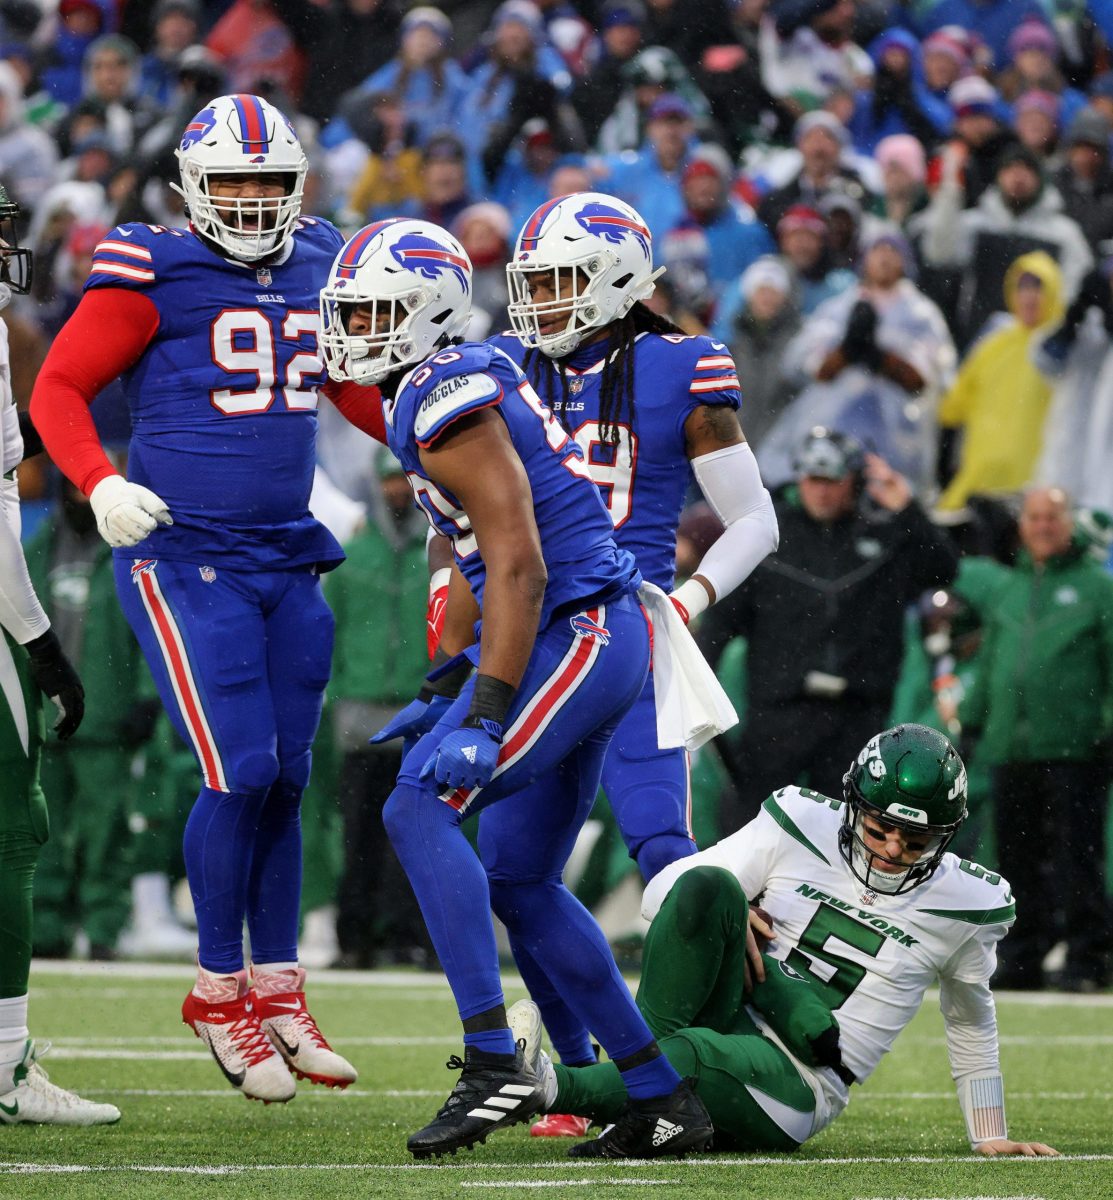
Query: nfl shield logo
<point x="208" y="574"/>
<point x="575" y="386"/>
<point x="263" y="277"/>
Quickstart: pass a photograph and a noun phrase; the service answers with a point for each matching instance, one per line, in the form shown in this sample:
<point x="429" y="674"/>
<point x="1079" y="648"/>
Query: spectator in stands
<point x="620" y="28"/>
<point x="174" y="26"/>
<point x="904" y="171"/>
<point x="757" y="337"/>
<point x="993" y="21"/>
<point x="1033" y="49"/>
<point x="391" y="176"/>
<point x="824" y="618"/>
<point x="28" y="156"/>
<point x="347" y="42"/>
<point x="807" y="50"/>
<point x="653" y="73"/>
<point x="802" y="238"/>
<point x="972" y="155"/>
<point x="112" y="80"/>
<point x="1085" y="179"/>
<point x="252" y="43"/>
<point x="521" y="181"/>
<point x="570" y="35"/>
<point x="78" y="23"/>
<point x="1041" y="706"/>
<point x="946" y="59"/>
<point x="483" y="230"/>
<point x="845" y="230"/>
<point x="1000" y="398"/>
<point x="1036" y="119"/>
<point x="1101" y="95"/>
<point x="734" y="235"/>
<point x="876" y="359"/>
<point x="899" y="101"/>
<point x="1019" y="213"/>
<point x="444" y="182"/>
<point x="820" y="137"/>
<point x="652" y="175"/>
<point x="200" y="77"/>
<point x="427" y="80"/>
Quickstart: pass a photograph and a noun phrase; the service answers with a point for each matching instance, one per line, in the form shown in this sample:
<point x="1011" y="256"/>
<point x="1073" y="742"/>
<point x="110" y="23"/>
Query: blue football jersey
<point x="577" y="538"/>
<point x="224" y="399"/>
<point x="645" y="478"/>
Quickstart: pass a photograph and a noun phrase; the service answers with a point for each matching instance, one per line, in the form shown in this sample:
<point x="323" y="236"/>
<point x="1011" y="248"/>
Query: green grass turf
<point x="178" y="1112"/>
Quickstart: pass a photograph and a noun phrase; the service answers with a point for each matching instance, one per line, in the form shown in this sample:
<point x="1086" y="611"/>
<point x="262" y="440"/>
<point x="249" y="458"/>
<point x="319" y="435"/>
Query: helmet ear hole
<point x="621" y="283"/>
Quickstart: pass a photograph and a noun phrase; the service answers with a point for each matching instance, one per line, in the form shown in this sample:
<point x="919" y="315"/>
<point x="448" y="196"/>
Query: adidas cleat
<point x="654" y="1128"/>
<point x="34" y="1100"/>
<point x="238" y="1042"/>
<point x="295" y="1036"/>
<point x="494" y="1092"/>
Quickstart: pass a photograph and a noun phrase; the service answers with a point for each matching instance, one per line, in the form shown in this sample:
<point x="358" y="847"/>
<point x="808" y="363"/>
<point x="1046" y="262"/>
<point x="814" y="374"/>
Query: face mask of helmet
<point x="15" y="261"/>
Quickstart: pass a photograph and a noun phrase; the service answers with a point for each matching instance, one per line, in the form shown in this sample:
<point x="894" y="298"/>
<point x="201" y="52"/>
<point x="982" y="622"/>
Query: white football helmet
<point x="601" y="255"/>
<point x="415" y="281"/>
<point x="241" y="135"/>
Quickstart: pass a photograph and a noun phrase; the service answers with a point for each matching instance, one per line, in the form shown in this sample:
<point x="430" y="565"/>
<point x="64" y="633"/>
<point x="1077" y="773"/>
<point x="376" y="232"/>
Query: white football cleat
<point x="34" y="1100"/>
<point x="524" y="1019"/>
<point x="243" y="1052"/>
<point x="294" y="1033"/>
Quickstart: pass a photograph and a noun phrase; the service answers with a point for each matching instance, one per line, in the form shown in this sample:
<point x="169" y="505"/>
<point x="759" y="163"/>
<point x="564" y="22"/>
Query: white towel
<point x="692" y="707"/>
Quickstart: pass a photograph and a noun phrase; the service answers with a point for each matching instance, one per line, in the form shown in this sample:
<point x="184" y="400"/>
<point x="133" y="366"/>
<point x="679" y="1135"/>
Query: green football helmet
<point x="909" y="778"/>
<point x="15" y="260"/>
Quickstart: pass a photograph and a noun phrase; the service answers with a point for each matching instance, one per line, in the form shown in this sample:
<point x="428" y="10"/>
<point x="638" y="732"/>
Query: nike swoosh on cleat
<point x="292" y="1051"/>
<point x="280" y="1004"/>
<point x="236" y="1080"/>
<point x="13" y="1111"/>
<point x="797" y="1124"/>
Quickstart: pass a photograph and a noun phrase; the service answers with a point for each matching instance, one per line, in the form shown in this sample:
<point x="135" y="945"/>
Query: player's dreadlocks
<point x="616" y="389"/>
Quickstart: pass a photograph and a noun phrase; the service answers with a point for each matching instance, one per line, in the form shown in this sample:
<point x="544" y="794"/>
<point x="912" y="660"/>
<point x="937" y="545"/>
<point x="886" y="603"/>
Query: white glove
<point x="126" y="512"/>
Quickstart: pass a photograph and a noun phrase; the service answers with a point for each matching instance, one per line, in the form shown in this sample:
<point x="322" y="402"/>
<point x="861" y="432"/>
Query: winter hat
<point x="1089" y="128"/>
<point x="951" y="40"/>
<point x="1032" y="34"/>
<point x="802" y="216"/>
<point x="1038" y="100"/>
<point x="971" y="96"/>
<point x="622" y="12"/>
<point x="766" y="271"/>
<point x="524" y="12"/>
<point x="904" y="151"/>
<point x="429" y="17"/>
<point x="709" y="159"/>
<point x="667" y="106"/>
<point x="820" y="119"/>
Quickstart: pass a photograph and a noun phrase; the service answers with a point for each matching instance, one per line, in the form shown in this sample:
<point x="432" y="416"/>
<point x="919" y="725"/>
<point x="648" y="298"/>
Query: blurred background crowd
<point x="897" y="217"/>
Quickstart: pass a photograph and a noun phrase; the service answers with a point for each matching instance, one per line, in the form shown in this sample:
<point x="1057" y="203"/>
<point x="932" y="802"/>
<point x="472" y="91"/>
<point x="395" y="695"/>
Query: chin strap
<point x="981" y="1096"/>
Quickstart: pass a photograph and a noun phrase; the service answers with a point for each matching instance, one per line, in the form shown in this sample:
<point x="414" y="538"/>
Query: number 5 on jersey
<point x="243" y="342"/>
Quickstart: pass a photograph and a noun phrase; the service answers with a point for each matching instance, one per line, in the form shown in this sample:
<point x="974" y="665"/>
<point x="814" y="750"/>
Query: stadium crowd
<point x="897" y="218"/>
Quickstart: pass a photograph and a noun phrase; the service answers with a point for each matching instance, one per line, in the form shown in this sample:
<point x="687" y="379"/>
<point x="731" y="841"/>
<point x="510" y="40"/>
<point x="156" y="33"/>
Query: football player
<point x="868" y="909"/>
<point x="650" y="407"/>
<point x="214" y="329"/>
<point x="32" y="664"/>
<point x="563" y="653"/>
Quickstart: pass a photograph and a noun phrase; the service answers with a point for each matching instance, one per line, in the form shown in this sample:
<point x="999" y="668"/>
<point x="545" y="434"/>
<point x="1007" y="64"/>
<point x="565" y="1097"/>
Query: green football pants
<point x="691" y="995"/>
<point x="23" y="820"/>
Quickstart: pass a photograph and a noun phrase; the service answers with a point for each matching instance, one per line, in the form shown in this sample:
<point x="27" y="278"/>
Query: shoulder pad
<point x="446" y="399"/>
<point x="966" y="892"/>
<point x="128" y="256"/>
<point x="807" y="817"/>
<point x="317" y="229"/>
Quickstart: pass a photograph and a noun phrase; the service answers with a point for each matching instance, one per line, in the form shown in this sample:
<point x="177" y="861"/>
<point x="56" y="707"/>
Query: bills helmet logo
<point x="612" y="225"/>
<point x="586" y="627"/>
<point x="197" y="128"/>
<point x="430" y="259"/>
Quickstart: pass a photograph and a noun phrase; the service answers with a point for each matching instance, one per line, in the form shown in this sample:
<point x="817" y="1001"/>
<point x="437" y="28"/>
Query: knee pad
<point x="410" y="810"/>
<point x="707" y="893"/>
<point x="293" y="774"/>
<point x="253" y="773"/>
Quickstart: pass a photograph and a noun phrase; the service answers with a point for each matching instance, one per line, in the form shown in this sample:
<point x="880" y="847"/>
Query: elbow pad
<point x="731" y="483"/>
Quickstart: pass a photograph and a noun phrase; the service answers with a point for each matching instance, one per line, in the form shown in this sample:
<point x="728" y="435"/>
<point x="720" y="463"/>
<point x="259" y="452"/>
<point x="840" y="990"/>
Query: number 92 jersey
<point x="643" y="480"/>
<point x="223" y="400"/>
<point x="576" y="535"/>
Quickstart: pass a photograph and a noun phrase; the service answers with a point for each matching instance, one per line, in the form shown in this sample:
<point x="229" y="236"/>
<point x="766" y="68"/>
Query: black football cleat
<point x="494" y="1091"/>
<point x="655" y="1128"/>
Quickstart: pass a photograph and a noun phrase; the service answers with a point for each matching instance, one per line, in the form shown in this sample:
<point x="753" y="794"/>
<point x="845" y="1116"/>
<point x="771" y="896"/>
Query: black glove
<point x="859" y="344"/>
<point x="55" y="677"/>
<point x="32" y="443"/>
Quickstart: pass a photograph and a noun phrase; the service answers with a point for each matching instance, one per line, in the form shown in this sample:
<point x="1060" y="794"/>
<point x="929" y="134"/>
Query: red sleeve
<point x="362" y="406"/>
<point x="106" y="334"/>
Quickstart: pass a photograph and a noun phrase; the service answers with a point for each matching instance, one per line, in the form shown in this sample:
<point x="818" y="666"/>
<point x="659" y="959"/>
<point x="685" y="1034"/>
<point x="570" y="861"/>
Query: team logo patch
<point x="208" y="574"/>
<point x="263" y="277"/>
<point x="142" y="566"/>
<point x="612" y="225"/>
<point x="586" y="627"/>
<point x="198" y="128"/>
<point x="429" y="259"/>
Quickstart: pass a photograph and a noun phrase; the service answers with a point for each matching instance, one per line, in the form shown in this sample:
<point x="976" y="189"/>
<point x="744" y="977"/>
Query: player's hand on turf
<point x="999" y="1146"/>
<point x="127" y="512"/>
<point x="415" y="720"/>
<point x="467" y="757"/>
<point x="55" y="677"/>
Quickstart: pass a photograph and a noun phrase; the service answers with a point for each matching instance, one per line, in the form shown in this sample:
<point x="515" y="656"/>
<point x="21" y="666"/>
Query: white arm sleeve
<point x="731" y="483"/>
<point x="971" y="1025"/>
<point x="21" y="614"/>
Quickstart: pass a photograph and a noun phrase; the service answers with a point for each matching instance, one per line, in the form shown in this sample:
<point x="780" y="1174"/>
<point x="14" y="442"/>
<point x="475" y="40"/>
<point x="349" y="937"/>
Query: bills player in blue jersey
<point x="214" y="330"/>
<point x="649" y="407"/>
<point x="563" y="652"/>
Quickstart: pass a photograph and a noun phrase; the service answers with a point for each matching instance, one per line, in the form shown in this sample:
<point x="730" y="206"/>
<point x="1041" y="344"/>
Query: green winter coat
<point x="1044" y="690"/>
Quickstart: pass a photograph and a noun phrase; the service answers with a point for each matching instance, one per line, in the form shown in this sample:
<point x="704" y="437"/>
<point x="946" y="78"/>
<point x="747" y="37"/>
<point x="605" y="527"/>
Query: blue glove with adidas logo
<point x="468" y="756"/>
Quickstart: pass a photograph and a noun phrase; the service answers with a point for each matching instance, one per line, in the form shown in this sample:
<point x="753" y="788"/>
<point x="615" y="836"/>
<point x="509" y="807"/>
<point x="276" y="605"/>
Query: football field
<point x="117" y="1036"/>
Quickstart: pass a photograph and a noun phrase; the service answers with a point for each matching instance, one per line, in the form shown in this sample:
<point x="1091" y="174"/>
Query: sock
<point x="276" y="979"/>
<point x="492" y="1041"/>
<point x="218" y="846"/>
<point x="216" y="988"/>
<point x="654" y="1078"/>
<point x="274" y="888"/>
<point x="13" y="1021"/>
<point x="451" y="888"/>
